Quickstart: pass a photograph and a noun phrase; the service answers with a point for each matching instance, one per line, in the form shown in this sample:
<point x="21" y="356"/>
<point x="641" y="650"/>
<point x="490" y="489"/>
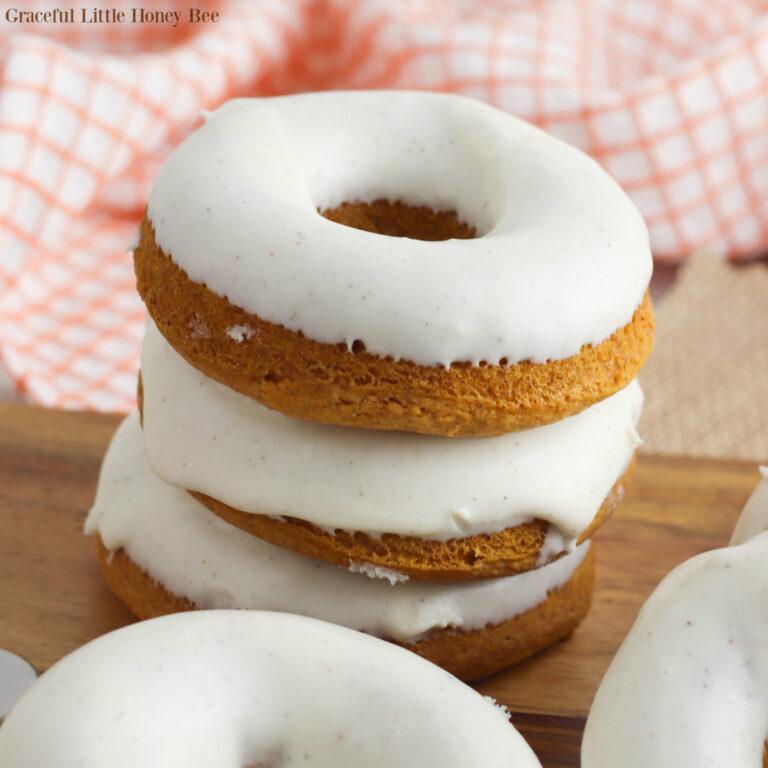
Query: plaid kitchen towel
<point x="669" y="95"/>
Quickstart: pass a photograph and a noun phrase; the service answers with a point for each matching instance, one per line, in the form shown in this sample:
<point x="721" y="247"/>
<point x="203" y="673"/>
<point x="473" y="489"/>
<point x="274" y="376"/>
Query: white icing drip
<point x="563" y="259"/>
<point x="240" y="332"/>
<point x="199" y="556"/>
<point x="689" y="685"/>
<point x="554" y="544"/>
<point x="205" y="437"/>
<point x="235" y="688"/>
<point x="377" y="572"/>
<point x="198" y="328"/>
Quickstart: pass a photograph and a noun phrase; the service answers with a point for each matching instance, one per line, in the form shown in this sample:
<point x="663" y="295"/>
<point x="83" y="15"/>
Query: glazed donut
<point x="255" y="689"/>
<point x="515" y="296"/>
<point x="162" y="552"/>
<point x="425" y="506"/>
<point x="689" y="685"/>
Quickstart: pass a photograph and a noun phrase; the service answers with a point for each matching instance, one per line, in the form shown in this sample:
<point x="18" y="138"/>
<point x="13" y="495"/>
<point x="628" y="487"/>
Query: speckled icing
<point x="203" y="436"/>
<point x="234" y="689"/>
<point x="689" y="685"/>
<point x="197" y="555"/>
<point x="563" y="259"/>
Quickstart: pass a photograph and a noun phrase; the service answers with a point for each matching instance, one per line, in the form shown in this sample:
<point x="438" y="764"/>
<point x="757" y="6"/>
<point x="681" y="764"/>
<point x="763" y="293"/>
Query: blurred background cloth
<point x="706" y="383"/>
<point x="668" y="95"/>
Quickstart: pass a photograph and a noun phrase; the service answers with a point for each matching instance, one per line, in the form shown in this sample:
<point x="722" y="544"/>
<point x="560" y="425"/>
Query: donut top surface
<point x="203" y="436"/>
<point x="561" y="257"/>
<point x="238" y="689"/>
<point x="689" y="685"/>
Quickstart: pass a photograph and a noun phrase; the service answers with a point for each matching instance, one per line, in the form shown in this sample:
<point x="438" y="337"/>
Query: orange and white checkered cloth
<point x="669" y="95"/>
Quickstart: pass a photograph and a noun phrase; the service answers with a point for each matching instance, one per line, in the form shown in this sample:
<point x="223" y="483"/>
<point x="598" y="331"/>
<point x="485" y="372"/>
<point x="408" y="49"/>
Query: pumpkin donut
<point x="253" y="689"/>
<point x="396" y="260"/>
<point x="689" y="684"/>
<point x="425" y="506"/>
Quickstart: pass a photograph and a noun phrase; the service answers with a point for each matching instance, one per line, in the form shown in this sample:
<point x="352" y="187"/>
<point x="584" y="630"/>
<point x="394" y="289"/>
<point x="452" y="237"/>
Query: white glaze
<point x="243" y="688"/>
<point x="754" y="517"/>
<point x="240" y="332"/>
<point x="197" y="555"/>
<point x="689" y="685"/>
<point x="563" y="259"/>
<point x="377" y="572"/>
<point x="205" y="437"/>
<point x="16" y="675"/>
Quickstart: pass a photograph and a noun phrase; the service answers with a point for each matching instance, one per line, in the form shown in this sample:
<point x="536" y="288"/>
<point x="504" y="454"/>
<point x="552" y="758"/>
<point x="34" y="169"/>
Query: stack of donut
<point x="387" y="379"/>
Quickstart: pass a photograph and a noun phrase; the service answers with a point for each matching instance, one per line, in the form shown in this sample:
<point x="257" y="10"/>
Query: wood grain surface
<point x="53" y="598"/>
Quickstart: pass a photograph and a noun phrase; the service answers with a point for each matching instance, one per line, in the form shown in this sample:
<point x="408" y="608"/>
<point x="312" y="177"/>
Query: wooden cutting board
<point x="53" y="599"/>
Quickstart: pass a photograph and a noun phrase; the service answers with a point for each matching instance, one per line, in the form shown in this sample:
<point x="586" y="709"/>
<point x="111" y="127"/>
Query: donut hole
<point x="398" y="219"/>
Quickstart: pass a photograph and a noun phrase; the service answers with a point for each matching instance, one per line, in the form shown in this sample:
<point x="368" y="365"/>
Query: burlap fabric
<point x="706" y="382"/>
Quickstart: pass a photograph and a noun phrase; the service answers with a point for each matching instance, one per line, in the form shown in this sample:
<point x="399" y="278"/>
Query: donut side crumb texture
<point x="334" y="384"/>
<point x="467" y="654"/>
<point x="483" y="556"/>
<point x="474" y="653"/>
